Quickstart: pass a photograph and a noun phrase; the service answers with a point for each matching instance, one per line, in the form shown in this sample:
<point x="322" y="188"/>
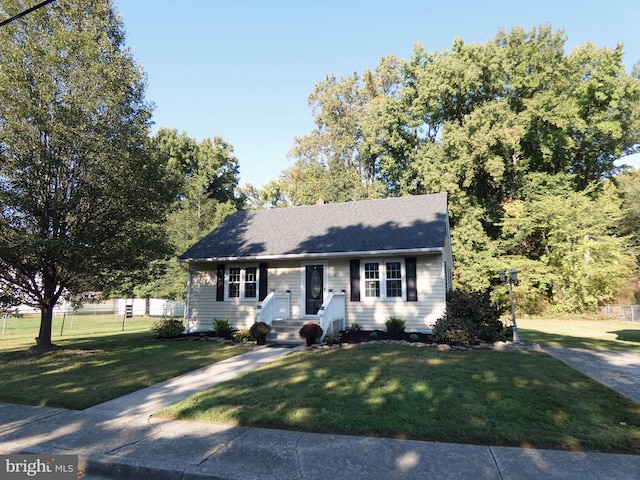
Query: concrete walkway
<point x="120" y="440"/>
<point x="149" y="400"/>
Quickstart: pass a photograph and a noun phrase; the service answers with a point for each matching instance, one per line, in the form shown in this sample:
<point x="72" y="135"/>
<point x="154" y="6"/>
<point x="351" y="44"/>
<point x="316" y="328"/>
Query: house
<point x="337" y="264"/>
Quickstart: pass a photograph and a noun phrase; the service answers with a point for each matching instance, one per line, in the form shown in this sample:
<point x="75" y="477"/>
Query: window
<point x="250" y="282"/>
<point x="234" y="282"/>
<point x="384" y="279"/>
<point x="242" y="283"/>
<point x="371" y="280"/>
<point x="394" y="279"/>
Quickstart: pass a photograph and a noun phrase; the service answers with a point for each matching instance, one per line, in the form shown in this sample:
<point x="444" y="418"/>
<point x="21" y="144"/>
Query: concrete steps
<point x="287" y="332"/>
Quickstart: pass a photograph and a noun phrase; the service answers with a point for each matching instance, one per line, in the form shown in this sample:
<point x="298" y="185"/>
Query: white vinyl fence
<point x="158" y="307"/>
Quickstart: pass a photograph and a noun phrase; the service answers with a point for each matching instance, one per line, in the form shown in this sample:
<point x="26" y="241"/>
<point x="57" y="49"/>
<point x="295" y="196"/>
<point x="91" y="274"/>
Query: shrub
<point x="259" y="329"/>
<point x="311" y="330"/>
<point x="242" y="335"/>
<point x="470" y="317"/>
<point x="167" y="327"/>
<point x="395" y="325"/>
<point x="333" y="337"/>
<point x="222" y="327"/>
<point x="452" y="330"/>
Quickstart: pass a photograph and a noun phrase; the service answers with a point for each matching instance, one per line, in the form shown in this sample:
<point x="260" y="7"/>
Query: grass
<point x="99" y="361"/>
<point x="508" y="398"/>
<point x="480" y="397"/>
<point x="589" y="334"/>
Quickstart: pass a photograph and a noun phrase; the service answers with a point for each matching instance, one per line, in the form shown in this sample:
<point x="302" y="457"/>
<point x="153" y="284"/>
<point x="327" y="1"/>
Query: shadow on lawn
<point x="628" y="335"/>
<point x="90" y="370"/>
<point x="480" y="397"/>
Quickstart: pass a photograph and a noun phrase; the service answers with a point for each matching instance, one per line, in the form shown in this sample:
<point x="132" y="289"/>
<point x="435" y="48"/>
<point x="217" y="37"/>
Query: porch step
<point x="286" y="331"/>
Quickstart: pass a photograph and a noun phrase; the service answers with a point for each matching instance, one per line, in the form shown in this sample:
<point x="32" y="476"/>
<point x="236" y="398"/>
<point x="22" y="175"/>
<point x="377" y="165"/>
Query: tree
<point x="476" y="121"/>
<point x="627" y="187"/>
<point x="208" y="175"/>
<point x="347" y="146"/>
<point x="81" y="196"/>
<point x="269" y="196"/>
<point x="576" y="260"/>
<point x="515" y="105"/>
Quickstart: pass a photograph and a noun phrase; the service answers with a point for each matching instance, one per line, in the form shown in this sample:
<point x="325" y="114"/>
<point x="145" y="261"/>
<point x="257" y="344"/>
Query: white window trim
<point x="242" y="297"/>
<point x="382" y="262"/>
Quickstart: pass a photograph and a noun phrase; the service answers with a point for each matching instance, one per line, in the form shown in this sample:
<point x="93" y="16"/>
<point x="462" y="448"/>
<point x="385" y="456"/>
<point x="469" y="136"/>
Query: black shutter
<point x="354" y="275"/>
<point x="262" y="289"/>
<point x="412" y="279"/>
<point x="220" y="283"/>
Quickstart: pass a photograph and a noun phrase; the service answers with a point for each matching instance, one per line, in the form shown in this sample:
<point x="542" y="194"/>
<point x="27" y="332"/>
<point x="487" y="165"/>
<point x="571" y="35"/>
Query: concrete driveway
<point x="618" y="370"/>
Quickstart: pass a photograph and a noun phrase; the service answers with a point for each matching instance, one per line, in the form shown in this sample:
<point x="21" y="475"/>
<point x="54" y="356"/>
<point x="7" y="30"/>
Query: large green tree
<point x="342" y="158"/>
<point x="477" y="121"/>
<point x="81" y="196"/>
<point x="208" y="175"/>
<point x="566" y="243"/>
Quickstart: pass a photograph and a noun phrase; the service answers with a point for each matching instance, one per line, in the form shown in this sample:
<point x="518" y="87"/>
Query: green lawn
<point x="99" y="361"/>
<point x="508" y="398"/>
<point x="589" y="334"/>
<point x="514" y="398"/>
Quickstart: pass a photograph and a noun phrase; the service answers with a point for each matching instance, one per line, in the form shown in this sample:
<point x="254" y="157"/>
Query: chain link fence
<point x="623" y="312"/>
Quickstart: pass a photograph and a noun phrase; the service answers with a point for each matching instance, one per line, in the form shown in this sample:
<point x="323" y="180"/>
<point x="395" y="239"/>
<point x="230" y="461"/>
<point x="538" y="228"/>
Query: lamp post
<point x="513" y="280"/>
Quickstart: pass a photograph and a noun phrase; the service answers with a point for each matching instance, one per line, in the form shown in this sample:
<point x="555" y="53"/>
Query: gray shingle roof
<point x="414" y="223"/>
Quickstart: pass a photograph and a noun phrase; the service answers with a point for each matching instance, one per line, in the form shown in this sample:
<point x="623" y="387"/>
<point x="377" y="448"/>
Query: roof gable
<point x="413" y="223"/>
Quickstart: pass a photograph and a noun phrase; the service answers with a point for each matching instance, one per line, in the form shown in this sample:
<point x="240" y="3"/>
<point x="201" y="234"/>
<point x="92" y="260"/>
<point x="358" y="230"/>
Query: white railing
<point x="274" y="306"/>
<point x="333" y="310"/>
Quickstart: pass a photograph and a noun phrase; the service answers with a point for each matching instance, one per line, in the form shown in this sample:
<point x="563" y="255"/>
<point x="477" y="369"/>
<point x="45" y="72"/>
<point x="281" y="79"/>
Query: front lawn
<point x="589" y="334"/>
<point x="513" y="398"/>
<point x="99" y="362"/>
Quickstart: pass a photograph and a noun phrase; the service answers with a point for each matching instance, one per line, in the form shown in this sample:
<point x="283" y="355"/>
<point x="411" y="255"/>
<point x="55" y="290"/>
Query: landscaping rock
<point x="483" y="346"/>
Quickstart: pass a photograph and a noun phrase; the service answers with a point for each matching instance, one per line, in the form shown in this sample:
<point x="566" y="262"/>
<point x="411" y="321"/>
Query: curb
<point x="112" y="467"/>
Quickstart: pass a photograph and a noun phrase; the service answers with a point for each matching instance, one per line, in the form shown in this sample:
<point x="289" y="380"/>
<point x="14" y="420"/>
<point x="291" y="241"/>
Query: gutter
<point x="295" y="256"/>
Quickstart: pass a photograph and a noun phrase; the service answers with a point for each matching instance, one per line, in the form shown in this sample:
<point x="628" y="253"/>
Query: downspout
<point x="187" y="306"/>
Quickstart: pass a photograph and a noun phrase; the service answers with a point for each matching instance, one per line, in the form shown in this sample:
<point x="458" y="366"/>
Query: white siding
<point x="288" y="275"/>
<point x="203" y="307"/>
<point x="420" y="315"/>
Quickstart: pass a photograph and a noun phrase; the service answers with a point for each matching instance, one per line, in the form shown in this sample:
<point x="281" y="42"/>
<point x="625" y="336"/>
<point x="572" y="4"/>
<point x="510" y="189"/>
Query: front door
<point x="314" y="288"/>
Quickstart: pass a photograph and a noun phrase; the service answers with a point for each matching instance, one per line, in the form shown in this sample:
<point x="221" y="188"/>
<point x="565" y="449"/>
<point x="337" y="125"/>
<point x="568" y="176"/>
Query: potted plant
<point x="259" y="331"/>
<point x="311" y="331"/>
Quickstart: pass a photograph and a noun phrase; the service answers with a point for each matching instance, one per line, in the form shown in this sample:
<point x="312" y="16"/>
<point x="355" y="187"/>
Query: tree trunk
<point x="46" y="322"/>
<point x="49" y="299"/>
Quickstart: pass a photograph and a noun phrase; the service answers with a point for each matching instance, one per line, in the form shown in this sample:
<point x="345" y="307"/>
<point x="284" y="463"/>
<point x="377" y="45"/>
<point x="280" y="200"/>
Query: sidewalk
<point x="120" y="440"/>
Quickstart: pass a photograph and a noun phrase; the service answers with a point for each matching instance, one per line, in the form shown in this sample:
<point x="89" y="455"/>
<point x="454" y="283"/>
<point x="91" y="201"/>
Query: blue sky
<point x="243" y="69"/>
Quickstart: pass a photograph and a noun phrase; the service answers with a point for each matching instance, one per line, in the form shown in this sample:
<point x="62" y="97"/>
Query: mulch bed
<point x="348" y="336"/>
<point x="360" y="336"/>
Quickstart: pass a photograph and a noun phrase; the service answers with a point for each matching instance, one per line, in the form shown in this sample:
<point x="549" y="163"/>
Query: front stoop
<point x="286" y="332"/>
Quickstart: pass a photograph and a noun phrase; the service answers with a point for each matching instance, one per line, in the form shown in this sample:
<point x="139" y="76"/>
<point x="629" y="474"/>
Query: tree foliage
<point x="573" y="238"/>
<point x="81" y="197"/>
<point x="489" y="123"/>
<point x="207" y="172"/>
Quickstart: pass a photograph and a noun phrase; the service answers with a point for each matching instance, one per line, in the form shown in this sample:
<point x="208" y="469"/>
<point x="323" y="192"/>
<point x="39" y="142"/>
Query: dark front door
<point x="314" y="288"/>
